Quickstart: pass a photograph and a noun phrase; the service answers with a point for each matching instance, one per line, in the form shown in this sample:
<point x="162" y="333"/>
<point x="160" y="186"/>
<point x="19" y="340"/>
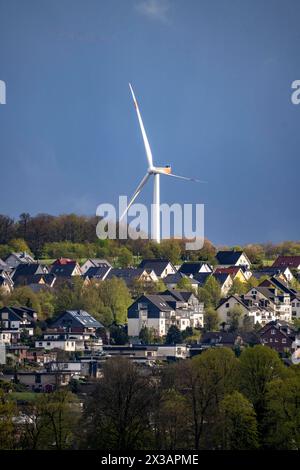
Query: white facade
<point x="182" y="318"/>
<point x="295" y="308"/>
<point x="255" y="313"/>
<point x="64" y="344"/>
<point x="281" y="309"/>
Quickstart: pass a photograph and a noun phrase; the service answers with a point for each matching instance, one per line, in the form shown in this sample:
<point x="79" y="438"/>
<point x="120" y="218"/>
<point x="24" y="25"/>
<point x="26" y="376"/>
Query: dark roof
<point x="157" y="265"/>
<point x="221" y="277"/>
<point x="79" y="316"/>
<point x="279" y="284"/>
<point x="287" y="261"/>
<point x="18" y="313"/>
<point x="127" y="274"/>
<point x="268" y="271"/>
<point x="175" y="278"/>
<point x="180" y="295"/>
<point x="97" y="272"/>
<point x="228" y="257"/>
<point x="64" y="270"/>
<point x="284" y="327"/>
<point x="219" y="337"/>
<point x="99" y="263"/>
<point x="191" y="267"/>
<point x="202" y="278"/>
<point x="28" y="270"/>
<point x="159" y="301"/>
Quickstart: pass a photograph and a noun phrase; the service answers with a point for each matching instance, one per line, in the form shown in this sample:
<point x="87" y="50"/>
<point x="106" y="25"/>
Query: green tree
<point x="259" y="365"/>
<point x="19" y="245"/>
<point x="118" y="335"/>
<point x="237" y="424"/>
<point x="282" y="418"/>
<point x="238" y="287"/>
<point x="146" y="335"/>
<point x="185" y="284"/>
<point x="117" y="416"/>
<point x="235" y="313"/>
<point x="210" y="294"/>
<point x="8" y="411"/>
<point x="115" y="295"/>
<point x="53" y="420"/>
<point x="204" y="381"/>
<point x="211" y="319"/>
<point x="25" y="296"/>
<point x="174" y="335"/>
<point x="125" y="257"/>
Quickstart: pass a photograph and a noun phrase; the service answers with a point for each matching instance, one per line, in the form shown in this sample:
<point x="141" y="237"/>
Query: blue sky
<point x="213" y="80"/>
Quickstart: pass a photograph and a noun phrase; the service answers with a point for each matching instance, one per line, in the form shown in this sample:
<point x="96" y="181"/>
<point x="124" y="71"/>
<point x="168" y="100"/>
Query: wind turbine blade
<point x="145" y="138"/>
<point x="135" y="194"/>
<point x="185" y="178"/>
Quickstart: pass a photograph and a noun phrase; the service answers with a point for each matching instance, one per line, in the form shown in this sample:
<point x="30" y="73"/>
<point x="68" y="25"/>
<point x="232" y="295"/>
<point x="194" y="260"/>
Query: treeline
<point x="214" y="401"/>
<point x="71" y="235"/>
<point x="107" y="301"/>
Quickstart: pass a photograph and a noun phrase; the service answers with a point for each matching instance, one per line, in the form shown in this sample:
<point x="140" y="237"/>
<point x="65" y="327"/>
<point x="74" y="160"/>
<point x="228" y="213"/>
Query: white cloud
<point x="154" y="9"/>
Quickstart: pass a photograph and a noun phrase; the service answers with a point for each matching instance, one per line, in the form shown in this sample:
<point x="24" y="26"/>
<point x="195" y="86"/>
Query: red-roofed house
<point x="236" y="272"/>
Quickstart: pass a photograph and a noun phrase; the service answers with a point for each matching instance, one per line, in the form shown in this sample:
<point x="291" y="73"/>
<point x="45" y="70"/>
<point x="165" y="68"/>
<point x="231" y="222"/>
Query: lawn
<point x="24" y="396"/>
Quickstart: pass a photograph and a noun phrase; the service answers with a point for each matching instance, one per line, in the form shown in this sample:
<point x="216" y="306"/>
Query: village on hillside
<point x="152" y="314"/>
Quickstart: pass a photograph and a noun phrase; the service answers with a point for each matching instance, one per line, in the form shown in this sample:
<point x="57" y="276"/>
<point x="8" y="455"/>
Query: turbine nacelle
<point x="161" y="170"/>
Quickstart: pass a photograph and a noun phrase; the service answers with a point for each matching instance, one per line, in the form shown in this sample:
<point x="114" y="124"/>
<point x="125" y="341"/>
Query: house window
<point x="273" y="332"/>
<point x="227" y="305"/>
<point x="283" y="340"/>
<point x="271" y="341"/>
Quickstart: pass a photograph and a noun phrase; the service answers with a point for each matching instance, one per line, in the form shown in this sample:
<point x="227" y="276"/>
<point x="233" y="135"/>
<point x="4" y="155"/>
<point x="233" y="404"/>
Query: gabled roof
<point x="229" y="257"/>
<point x="97" y="272"/>
<point x="234" y="296"/>
<point x="79" y="316"/>
<point x="98" y="263"/>
<point x="3" y="265"/>
<point x="127" y="274"/>
<point x="22" y="257"/>
<point x="157" y="265"/>
<point x="202" y="278"/>
<point x="159" y="301"/>
<point x="268" y="271"/>
<point x="175" y="278"/>
<point x="221" y="277"/>
<point x="180" y="295"/>
<point x="18" y="313"/>
<point x="219" y="337"/>
<point x="192" y="267"/>
<point x="64" y="270"/>
<point x="29" y="270"/>
<point x="233" y="270"/>
<point x="63" y="261"/>
<point x="287" y="261"/>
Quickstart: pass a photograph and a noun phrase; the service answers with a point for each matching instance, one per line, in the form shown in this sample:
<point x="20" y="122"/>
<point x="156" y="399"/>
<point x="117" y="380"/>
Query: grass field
<point x="24" y="396"/>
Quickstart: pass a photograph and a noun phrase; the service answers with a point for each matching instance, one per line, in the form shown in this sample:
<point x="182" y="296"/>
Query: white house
<point x="256" y="312"/>
<point x="160" y="311"/>
<point x="233" y="258"/>
<point x="94" y="263"/>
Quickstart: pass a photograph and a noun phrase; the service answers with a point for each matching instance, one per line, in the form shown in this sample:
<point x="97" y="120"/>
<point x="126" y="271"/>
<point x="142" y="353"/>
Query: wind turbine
<point x="154" y="171"/>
